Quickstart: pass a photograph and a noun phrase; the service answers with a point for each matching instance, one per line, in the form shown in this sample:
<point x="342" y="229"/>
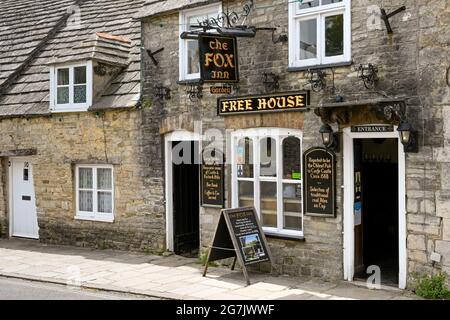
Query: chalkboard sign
<point x="239" y="235"/>
<point x="319" y="172"/>
<point x="212" y="178"/>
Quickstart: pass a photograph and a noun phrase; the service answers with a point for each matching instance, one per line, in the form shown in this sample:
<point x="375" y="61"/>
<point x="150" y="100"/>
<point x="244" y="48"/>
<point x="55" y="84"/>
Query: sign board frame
<point x="204" y="48"/>
<point x="244" y="103"/>
<point x="225" y="243"/>
<point x="204" y="201"/>
<point x="372" y="128"/>
<point x="306" y="182"/>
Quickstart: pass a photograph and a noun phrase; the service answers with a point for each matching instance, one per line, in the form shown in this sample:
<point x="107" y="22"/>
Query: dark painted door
<point x="186" y="204"/>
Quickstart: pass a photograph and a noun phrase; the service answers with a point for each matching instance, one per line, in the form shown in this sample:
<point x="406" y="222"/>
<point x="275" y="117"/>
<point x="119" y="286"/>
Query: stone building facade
<point x="112" y="131"/>
<point x="412" y="63"/>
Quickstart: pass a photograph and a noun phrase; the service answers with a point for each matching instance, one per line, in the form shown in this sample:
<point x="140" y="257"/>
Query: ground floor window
<point x="94" y="192"/>
<point x="266" y="174"/>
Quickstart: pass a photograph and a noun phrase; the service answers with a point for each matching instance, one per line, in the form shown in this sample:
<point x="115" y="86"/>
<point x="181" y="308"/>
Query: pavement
<point x="171" y="277"/>
<point x="18" y="289"/>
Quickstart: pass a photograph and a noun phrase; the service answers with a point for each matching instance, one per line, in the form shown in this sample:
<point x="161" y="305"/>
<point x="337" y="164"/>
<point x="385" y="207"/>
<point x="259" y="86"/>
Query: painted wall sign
<point x="218" y="58"/>
<point x="287" y="101"/>
<point x="239" y="235"/>
<point x="373" y="128"/>
<point x="221" y="89"/>
<point x="319" y="172"/>
<point x="212" y="178"/>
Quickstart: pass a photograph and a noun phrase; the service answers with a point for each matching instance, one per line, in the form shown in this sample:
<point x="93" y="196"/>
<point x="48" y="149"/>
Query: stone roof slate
<point x="159" y="7"/>
<point x="35" y="33"/>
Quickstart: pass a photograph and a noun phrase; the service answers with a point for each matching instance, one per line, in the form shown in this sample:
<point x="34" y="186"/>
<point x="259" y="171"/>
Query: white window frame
<point x="94" y="215"/>
<point x="256" y="134"/>
<point x="319" y="13"/>
<point x="183" y="51"/>
<point x="71" y="106"/>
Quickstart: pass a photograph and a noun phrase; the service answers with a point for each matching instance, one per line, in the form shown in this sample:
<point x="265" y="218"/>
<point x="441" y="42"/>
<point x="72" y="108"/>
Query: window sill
<point x="284" y="236"/>
<point x="109" y="220"/>
<point x="69" y="109"/>
<point x="320" y="66"/>
<point x="189" y="81"/>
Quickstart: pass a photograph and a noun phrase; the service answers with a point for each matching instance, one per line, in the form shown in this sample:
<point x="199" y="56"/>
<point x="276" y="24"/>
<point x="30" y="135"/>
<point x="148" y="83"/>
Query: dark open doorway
<point x="186" y="204"/>
<point x="376" y="208"/>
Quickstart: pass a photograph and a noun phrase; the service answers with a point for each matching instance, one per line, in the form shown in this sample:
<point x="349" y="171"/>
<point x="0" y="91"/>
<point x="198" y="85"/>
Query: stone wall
<point x="411" y="64"/>
<point x="120" y="138"/>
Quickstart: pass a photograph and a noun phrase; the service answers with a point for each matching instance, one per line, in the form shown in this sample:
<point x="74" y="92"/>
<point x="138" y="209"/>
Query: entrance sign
<point x="319" y="171"/>
<point x="218" y="58"/>
<point x="212" y="178"/>
<point x="239" y="235"/>
<point x="373" y="128"/>
<point x="287" y="101"/>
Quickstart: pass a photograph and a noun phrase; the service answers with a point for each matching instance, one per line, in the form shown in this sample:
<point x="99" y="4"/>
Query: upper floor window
<point x="188" y="48"/>
<point x="71" y="87"/>
<point x="266" y="174"/>
<point x="320" y="32"/>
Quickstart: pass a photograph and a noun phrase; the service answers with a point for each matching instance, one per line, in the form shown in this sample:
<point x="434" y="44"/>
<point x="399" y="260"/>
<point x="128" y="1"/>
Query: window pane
<point x="308" y="39"/>
<point x="246" y="194"/>
<point x="79" y="94"/>
<point x="104" y="179"/>
<point x="104" y="202"/>
<point x="62" y="96"/>
<point x="80" y="75"/>
<point x="324" y="2"/>
<point x="63" y="76"/>
<point x="192" y="55"/>
<point x="334" y="35"/>
<point x="268" y="162"/>
<point x="309" y="4"/>
<point x="244" y="158"/>
<point x="291" y="158"/>
<point x="85" y="178"/>
<point x="85" y="201"/>
<point x="268" y="204"/>
<point x="292" y="208"/>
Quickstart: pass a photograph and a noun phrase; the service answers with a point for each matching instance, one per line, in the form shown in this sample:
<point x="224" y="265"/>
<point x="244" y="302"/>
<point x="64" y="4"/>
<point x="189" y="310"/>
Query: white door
<point x="24" y="217"/>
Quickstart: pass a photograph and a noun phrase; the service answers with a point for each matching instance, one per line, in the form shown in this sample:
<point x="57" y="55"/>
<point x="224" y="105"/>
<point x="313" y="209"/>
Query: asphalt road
<point x="17" y="289"/>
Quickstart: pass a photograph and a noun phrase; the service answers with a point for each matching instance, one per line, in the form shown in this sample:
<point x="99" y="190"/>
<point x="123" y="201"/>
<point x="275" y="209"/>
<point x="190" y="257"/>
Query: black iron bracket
<point x="448" y="76"/>
<point x="195" y="91"/>
<point x="271" y="81"/>
<point x="386" y="17"/>
<point x="152" y="55"/>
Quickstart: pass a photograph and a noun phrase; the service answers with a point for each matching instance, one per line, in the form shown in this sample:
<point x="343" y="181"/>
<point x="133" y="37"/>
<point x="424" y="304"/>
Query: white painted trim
<point x="94" y="216"/>
<point x="182" y="43"/>
<point x="180" y="135"/>
<point x="10" y="179"/>
<point x="349" y="238"/>
<point x="71" y="107"/>
<point x="319" y="13"/>
<point x="278" y="134"/>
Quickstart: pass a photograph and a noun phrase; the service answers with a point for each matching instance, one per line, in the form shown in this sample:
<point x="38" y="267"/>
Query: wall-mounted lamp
<point x="368" y="74"/>
<point x="330" y="139"/>
<point x="270" y="81"/>
<point x="408" y="137"/>
<point x="316" y="79"/>
<point x="162" y="92"/>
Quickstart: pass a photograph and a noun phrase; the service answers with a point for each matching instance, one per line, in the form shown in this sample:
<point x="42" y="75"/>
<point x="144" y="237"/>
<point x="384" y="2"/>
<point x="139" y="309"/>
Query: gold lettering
<point x="299" y="101"/>
<point x="229" y="63"/>
<point x="248" y="104"/>
<point x="208" y="59"/>
<point x="261" y="104"/>
<point x="272" y="103"/>
<point x="232" y="105"/>
<point x="240" y="104"/>
<point x="225" y="105"/>
<point x="281" y="102"/>
<point x="290" y="102"/>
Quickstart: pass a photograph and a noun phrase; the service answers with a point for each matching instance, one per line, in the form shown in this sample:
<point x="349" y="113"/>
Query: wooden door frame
<point x="180" y="135"/>
<point x="349" y="237"/>
<point x="10" y="183"/>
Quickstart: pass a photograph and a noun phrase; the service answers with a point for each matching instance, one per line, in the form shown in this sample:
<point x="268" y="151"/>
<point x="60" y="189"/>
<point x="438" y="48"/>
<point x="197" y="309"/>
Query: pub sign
<point x="218" y="58"/>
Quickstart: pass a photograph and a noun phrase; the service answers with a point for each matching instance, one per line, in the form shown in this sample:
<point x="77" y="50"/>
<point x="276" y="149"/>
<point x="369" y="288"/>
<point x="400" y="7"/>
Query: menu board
<point x="319" y="171"/>
<point x="212" y="178"/>
<point x="239" y="235"/>
<point x="248" y="236"/>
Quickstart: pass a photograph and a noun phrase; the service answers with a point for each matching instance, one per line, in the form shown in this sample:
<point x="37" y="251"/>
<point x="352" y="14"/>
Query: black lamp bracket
<point x="152" y="55"/>
<point x="195" y="91"/>
<point x="271" y="81"/>
<point x="386" y="17"/>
